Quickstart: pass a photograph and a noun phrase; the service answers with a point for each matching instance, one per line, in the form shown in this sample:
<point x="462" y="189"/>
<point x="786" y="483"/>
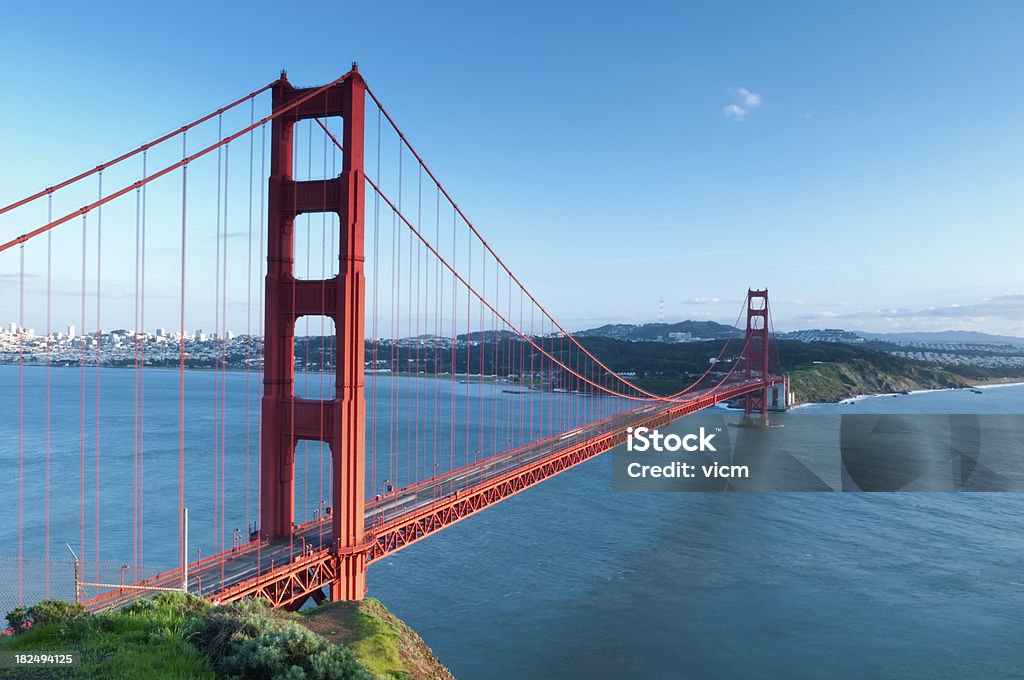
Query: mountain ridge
<point x="708" y="330"/>
<point x="953" y="336"/>
<point x="712" y="330"/>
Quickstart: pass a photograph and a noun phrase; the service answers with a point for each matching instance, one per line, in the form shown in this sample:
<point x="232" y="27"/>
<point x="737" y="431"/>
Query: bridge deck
<point x="287" y="570"/>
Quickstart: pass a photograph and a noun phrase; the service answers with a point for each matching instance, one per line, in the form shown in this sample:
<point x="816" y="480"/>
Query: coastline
<point x="998" y="382"/>
<point x="994" y="384"/>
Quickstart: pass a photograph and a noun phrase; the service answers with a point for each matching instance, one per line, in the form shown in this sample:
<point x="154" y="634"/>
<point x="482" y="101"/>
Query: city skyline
<point x="807" y="334"/>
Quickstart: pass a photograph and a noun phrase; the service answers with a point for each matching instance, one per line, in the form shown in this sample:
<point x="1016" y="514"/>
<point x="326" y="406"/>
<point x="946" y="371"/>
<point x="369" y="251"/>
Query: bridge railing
<point x="93" y="579"/>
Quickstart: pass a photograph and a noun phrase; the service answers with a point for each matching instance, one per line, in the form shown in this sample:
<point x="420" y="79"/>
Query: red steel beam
<point x="286" y="419"/>
<point x="288" y="584"/>
<point x="291" y="583"/>
<point x="757" y="352"/>
<point x="399" y="533"/>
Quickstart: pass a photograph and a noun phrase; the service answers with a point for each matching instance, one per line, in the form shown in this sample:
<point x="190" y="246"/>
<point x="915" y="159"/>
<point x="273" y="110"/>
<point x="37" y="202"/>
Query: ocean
<point x="573" y="580"/>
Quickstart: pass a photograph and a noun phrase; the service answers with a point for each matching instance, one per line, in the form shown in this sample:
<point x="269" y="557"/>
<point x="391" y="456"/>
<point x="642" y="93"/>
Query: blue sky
<point x="862" y="160"/>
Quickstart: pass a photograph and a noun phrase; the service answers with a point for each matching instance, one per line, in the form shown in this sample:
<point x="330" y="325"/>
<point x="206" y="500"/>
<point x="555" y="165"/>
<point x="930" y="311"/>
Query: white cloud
<point x="998" y="314"/>
<point x="748" y="100"/>
<point x="734" y="112"/>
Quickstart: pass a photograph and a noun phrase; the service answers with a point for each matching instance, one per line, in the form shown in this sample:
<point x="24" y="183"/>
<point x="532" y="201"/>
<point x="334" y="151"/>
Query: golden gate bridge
<point x="349" y="230"/>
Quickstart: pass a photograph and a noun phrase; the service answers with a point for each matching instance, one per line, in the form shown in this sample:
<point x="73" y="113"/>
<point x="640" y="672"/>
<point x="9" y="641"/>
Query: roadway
<point x="218" y="572"/>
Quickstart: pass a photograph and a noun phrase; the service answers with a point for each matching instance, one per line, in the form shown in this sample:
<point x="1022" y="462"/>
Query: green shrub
<point x="177" y="604"/>
<point x="220" y="630"/>
<point x="47" y="611"/>
<point x="175" y="635"/>
<point x="293" y="653"/>
<point x="249" y="640"/>
<point x="55" y="611"/>
<point x="18" y="619"/>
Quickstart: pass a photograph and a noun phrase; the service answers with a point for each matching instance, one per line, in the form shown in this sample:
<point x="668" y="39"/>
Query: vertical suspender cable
<point x="512" y="344"/>
<point x="49" y="330"/>
<point x="498" y="332"/>
<point x="262" y="327"/>
<point x="392" y="360"/>
<point x="309" y="274"/>
<point x="323" y="342"/>
<point x="222" y="339"/>
<point x="135" y="392"/>
<point x="332" y="351"/>
<point x="248" y="324"/>
<point x="142" y="377"/>
<point x="217" y="543"/>
<point x="374" y="451"/>
<point x="260" y="323"/>
<point x="396" y="306"/>
<point x="99" y="363"/>
<point x="293" y="324"/>
<point x="481" y="408"/>
<point x="521" y="373"/>
<point x="181" y="361"/>
<point x="437" y="329"/>
<point x="451" y="447"/>
<point x="469" y="335"/>
<point x="83" y="360"/>
<point x="411" y="442"/>
<point x="21" y="409"/>
<point x="419" y="311"/>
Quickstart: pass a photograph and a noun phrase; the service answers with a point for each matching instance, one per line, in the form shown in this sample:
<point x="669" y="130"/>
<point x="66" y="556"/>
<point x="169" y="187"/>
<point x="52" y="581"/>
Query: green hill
<point x="182" y="637"/>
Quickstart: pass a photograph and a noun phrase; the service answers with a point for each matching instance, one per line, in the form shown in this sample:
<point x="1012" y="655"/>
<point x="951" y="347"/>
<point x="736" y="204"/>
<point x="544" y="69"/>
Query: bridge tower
<point x="757" y="353"/>
<point x="286" y="418"/>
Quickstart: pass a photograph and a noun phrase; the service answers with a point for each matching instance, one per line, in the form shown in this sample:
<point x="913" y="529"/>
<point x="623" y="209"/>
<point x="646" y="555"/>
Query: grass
<point x="134" y="643"/>
<point x="376" y="645"/>
<point x="833" y="381"/>
<point x="174" y="636"/>
<point x="380" y="640"/>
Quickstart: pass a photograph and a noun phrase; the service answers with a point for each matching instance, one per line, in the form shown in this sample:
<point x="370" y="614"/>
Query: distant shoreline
<point x="986" y="385"/>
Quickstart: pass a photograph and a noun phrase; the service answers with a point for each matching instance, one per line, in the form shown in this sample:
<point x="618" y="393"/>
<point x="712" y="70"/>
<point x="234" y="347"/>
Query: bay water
<point x="570" y="579"/>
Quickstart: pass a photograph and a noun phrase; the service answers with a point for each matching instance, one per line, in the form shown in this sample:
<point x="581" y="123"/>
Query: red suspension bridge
<point x="409" y="378"/>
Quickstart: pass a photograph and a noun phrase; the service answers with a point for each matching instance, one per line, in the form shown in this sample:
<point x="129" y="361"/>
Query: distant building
<point x="823" y="335"/>
<point x="71" y="332"/>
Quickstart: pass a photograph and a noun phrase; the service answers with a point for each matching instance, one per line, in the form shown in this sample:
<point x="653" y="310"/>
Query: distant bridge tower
<point x="757" y="353"/>
<point x="287" y="419"/>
